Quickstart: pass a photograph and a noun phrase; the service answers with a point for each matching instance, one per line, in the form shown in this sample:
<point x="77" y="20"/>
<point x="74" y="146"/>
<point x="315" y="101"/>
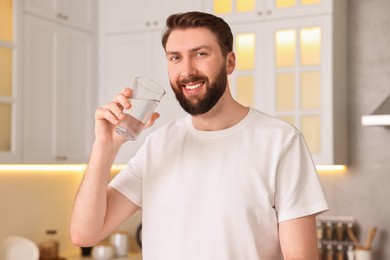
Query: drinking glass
<point x="145" y="98"/>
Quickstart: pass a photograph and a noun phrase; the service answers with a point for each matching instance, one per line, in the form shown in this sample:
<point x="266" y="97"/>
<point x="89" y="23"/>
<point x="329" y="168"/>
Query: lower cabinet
<point x="58" y="93"/>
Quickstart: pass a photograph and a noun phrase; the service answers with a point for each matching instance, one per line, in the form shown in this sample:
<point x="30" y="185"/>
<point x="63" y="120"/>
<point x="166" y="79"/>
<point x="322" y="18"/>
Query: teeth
<point x="193" y="86"/>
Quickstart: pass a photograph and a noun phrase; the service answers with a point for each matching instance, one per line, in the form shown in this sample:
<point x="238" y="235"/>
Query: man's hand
<point x="108" y="117"/>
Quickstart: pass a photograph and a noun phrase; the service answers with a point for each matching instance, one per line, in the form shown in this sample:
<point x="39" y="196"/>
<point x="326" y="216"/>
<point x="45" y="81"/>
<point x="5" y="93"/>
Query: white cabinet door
<point x="291" y="64"/>
<point x="76" y="96"/>
<point x="299" y="60"/>
<point x="80" y="14"/>
<point x="40" y="86"/>
<point x="76" y="13"/>
<point x="48" y="8"/>
<point x="238" y="11"/>
<point x="133" y="15"/>
<point x="57" y="97"/>
<point x="276" y="9"/>
<point x="285" y="68"/>
<point x="247" y="81"/>
<point x="125" y="57"/>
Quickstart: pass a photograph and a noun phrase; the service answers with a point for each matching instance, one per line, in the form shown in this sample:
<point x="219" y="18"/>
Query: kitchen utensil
<point x="352" y="236"/>
<point x="370" y="237"/>
<point x="18" y="248"/>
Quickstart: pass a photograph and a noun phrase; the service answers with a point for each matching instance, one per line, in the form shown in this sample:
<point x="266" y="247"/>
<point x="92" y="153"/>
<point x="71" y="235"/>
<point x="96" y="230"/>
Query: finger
<point x="127" y="92"/>
<point x="115" y="109"/>
<point x="103" y="113"/>
<point x="123" y="98"/>
<point x="152" y="119"/>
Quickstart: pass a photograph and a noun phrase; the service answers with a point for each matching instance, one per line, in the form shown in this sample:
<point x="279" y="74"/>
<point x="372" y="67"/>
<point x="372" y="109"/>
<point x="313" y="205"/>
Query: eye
<point x="200" y="54"/>
<point x="174" y="58"/>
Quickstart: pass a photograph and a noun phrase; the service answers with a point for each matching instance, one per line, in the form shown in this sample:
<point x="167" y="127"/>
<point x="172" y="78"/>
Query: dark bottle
<point x="48" y="249"/>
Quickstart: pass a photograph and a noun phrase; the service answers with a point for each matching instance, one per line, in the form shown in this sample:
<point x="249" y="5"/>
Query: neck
<point x="226" y="113"/>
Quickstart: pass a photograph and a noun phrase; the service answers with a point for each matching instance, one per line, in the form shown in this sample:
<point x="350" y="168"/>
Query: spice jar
<point x="48" y="249"/>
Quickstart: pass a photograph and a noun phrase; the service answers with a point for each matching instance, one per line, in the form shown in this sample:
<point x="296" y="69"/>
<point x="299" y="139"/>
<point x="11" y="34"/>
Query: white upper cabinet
<point x="255" y="10"/>
<point x="59" y="94"/>
<point x="134" y="15"/>
<point x="295" y="69"/>
<point x="80" y="14"/>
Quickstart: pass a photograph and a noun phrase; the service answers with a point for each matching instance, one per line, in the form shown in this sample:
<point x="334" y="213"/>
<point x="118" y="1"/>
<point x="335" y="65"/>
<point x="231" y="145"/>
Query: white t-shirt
<point x="219" y="195"/>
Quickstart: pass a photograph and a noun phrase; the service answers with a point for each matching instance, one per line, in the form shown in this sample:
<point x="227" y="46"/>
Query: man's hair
<point x="204" y="20"/>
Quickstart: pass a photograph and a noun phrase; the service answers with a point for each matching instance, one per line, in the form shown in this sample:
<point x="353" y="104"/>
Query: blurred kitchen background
<point x="318" y="64"/>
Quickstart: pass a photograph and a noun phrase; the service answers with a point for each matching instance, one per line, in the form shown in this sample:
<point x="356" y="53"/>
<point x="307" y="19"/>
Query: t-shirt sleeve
<point x="298" y="190"/>
<point x="129" y="180"/>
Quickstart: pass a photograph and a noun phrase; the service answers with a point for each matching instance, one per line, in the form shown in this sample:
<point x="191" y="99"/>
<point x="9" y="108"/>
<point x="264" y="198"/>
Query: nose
<point x="188" y="67"/>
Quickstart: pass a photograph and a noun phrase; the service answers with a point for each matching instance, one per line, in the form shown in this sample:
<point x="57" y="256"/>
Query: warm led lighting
<point x="310" y="46"/>
<point x="285" y="43"/>
<point x="51" y="167"/>
<point x="118" y="167"/>
<point x="42" y="167"/>
<point x="376" y="120"/>
<point x="246" y="47"/>
<point x="331" y="168"/>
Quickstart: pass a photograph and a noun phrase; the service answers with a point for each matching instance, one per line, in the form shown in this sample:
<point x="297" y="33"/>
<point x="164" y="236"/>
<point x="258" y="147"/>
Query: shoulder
<point x="267" y="125"/>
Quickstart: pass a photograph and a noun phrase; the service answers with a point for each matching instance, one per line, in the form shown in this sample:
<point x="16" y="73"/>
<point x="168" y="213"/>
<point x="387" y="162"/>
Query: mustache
<point x="192" y="79"/>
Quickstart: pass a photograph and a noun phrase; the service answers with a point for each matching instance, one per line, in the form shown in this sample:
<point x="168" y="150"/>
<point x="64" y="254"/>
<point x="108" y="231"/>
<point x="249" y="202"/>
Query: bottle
<point x="48" y="249"/>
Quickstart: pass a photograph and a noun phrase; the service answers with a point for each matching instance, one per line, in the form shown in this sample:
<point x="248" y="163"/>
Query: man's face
<point x="196" y="68"/>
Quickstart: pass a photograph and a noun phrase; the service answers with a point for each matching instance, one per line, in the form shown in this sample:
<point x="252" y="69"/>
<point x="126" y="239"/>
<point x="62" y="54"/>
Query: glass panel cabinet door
<point x="300" y="92"/>
<point x="256" y="10"/>
<point x="246" y="81"/>
<point x="8" y="100"/>
<point x="276" y="9"/>
<point x="237" y="10"/>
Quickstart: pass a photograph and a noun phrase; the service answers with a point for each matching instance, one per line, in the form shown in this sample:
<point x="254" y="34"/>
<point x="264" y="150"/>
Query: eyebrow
<point x="195" y="49"/>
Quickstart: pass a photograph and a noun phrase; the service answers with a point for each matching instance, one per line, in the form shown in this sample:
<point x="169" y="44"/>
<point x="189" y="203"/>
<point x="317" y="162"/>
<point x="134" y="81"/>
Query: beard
<point x="201" y="105"/>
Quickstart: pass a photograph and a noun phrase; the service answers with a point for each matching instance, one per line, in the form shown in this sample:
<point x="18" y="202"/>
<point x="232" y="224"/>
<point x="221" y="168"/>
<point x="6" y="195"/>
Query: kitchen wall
<point x="32" y="202"/>
<point x="364" y="190"/>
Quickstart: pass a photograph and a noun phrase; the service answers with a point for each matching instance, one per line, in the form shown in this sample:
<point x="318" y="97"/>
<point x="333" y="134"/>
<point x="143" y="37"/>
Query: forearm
<point x="90" y="206"/>
<point x="298" y="238"/>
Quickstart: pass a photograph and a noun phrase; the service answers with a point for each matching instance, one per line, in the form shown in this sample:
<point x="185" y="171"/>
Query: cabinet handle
<point x="62" y="16"/>
<point x="147" y="23"/>
<point x="269" y="12"/>
<point x="155" y="23"/>
<point x="259" y="13"/>
<point x="61" y="158"/>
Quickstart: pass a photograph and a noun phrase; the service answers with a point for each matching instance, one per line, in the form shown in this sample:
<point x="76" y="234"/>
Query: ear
<point x="230" y="62"/>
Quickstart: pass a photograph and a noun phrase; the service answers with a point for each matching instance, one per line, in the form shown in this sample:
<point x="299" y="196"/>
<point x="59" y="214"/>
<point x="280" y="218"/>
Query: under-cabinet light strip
<point x="116" y="167"/>
<point x="383" y="120"/>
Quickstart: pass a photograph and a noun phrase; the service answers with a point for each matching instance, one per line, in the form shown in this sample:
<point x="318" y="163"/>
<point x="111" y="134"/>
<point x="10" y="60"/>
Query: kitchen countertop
<point x="131" y="256"/>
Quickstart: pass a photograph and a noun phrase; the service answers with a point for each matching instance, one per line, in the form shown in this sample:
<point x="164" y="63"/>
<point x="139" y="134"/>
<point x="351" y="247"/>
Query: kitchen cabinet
<point x="10" y="103"/>
<point x="80" y="14"/>
<point x="133" y="15"/>
<point x="295" y="69"/>
<point x="260" y="10"/>
<point x="59" y="96"/>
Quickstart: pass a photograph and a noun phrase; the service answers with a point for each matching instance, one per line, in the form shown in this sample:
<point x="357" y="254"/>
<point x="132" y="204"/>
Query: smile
<point x="192" y="86"/>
